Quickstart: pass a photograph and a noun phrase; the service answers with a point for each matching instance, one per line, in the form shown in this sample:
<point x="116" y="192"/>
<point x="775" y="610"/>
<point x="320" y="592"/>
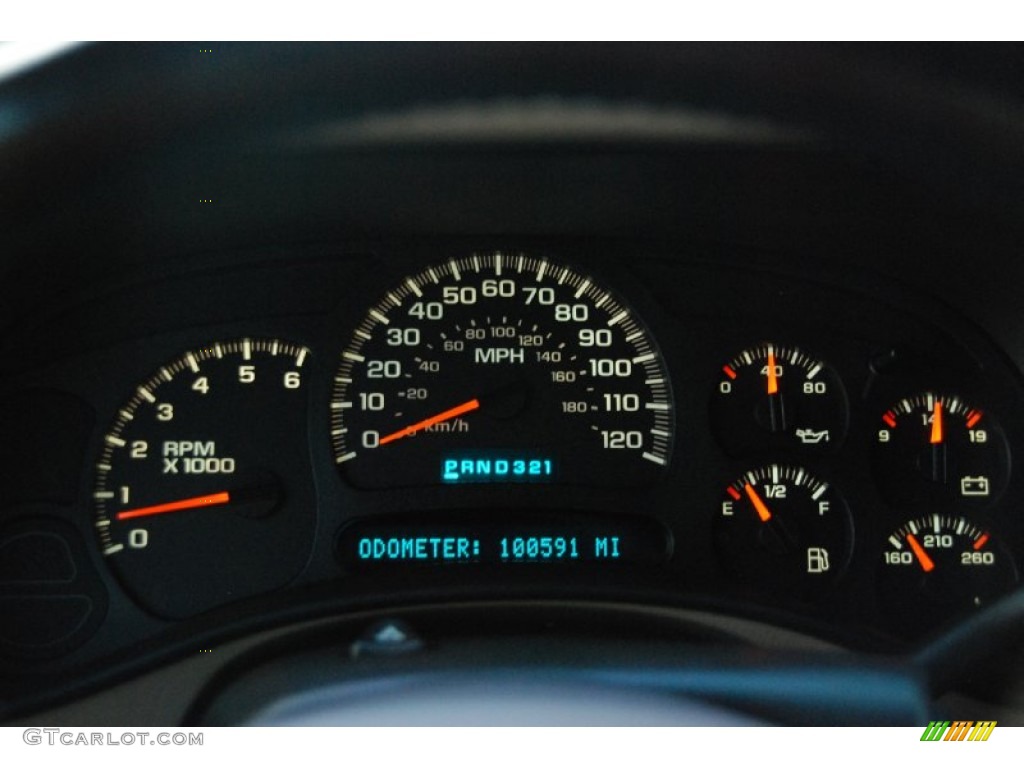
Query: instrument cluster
<point x="448" y="423"/>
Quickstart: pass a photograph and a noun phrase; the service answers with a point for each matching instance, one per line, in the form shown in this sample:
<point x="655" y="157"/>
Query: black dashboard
<point x="571" y="329"/>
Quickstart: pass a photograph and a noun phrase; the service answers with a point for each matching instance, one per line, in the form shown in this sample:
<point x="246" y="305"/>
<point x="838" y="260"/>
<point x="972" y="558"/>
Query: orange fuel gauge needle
<point x="936" y="437"/>
<point x="762" y="510"/>
<point x="451" y="413"/>
<point x="209" y="500"/>
<point x="927" y="564"/>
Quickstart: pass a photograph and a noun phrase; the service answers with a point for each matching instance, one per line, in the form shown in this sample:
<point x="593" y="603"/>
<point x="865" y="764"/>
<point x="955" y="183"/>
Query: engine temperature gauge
<point x="938" y="566"/>
<point x="937" y="449"/>
<point x="772" y="396"/>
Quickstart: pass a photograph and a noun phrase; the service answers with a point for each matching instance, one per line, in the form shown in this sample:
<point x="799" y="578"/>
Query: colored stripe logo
<point x="958" y="730"/>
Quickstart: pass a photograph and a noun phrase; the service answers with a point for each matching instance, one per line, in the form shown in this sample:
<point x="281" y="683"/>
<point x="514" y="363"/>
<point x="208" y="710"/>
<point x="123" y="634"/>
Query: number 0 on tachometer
<point x="501" y="368"/>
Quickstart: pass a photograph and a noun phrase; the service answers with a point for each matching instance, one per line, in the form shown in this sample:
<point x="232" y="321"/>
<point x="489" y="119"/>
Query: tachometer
<point x="501" y="368"/>
<point x="203" y="491"/>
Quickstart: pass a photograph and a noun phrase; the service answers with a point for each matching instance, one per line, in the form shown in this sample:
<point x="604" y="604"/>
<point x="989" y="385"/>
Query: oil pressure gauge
<point x="773" y="396"/>
<point x="938" y="449"/>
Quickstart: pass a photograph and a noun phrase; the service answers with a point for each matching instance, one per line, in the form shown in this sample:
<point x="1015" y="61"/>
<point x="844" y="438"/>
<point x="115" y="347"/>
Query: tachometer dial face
<point x="937" y="449"/>
<point x="774" y="397"/>
<point x="203" y="492"/>
<point x="937" y="567"/>
<point x="781" y="527"/>
<point x="501" y="368"/>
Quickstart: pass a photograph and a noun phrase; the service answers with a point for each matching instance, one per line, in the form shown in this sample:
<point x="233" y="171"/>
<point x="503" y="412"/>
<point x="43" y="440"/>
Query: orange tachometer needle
<point x="451" y="413"/>
<point x="773" y="380"/>
<point x="937" y="423"/>
<point x="210" y="500"/>
<point x="927" y="564"/>
<point x="762" y="510"/>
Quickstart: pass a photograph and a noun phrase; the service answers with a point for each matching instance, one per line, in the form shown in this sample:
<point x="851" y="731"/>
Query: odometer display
<point x="495" y="359"/>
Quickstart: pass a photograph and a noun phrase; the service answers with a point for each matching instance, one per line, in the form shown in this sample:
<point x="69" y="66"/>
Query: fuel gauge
<point x="781" y="527"/>
<point x="775" y="397"/>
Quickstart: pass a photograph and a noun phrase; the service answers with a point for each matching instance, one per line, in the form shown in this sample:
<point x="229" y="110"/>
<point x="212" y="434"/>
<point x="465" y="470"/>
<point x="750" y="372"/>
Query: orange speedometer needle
<point x="451" y="413"/>
<point x="762" y="510"/>
<point x="209" y="500"/>
<point x="773" y="380"/>
<point x="927" y="564"/>
<point x="937" y="423"/>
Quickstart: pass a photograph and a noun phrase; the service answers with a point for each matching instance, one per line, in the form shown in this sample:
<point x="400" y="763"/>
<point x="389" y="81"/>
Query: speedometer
<point x="501" y="368"/>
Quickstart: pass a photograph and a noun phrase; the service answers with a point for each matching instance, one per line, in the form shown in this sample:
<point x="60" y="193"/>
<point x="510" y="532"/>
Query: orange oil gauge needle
<point x="773" y="380"/>
<point x="937" y="423"/>
<point x="927" y="564"/>
<point x="210" y="500"/>
<point x="451" y="413"/>
<point x="762" y="510"/>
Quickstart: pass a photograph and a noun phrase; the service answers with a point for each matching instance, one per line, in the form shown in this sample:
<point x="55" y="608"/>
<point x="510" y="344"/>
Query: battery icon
<point x="974" y="485"/>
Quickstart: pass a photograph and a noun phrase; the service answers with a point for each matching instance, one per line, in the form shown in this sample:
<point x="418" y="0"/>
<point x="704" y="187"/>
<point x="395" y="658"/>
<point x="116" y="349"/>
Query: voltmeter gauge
<point x="780" y="527"/>
<point x="772" y="397"/>
<point x="937" y="567"/>
<point x="938" y="449"/>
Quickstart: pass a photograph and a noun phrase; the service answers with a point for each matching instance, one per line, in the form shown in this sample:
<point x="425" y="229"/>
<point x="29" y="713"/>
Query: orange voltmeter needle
<point x="937" y="423"/>
<point x="451" y="413"/>
<point x="927" y="564"/>
<point x="209" y="500"/>
<point x="762" y="510"/>
<point x="773" y="380"/>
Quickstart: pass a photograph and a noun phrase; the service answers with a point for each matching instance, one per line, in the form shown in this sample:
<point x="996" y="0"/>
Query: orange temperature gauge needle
<point x="762" y="510"/>
<point x="773" y="380"/>
<point x="451" y="413"/>
<point x="927" y="564"/>
<point x="937" y="423"/>
<point x="209" y="500"/>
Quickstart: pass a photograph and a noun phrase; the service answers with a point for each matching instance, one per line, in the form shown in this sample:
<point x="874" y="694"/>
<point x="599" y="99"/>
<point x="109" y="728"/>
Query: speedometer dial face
<point x="501" y="368"/>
